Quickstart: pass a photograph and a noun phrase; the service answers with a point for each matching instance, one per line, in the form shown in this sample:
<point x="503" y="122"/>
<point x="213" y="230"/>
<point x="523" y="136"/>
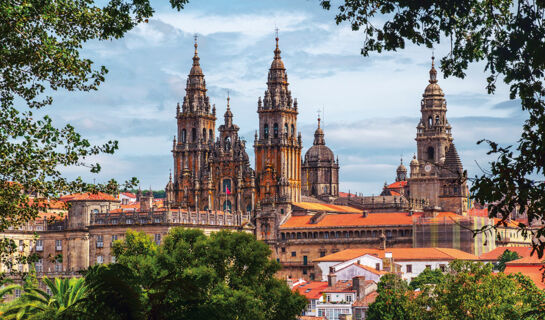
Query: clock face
<point x="427" y="168"/>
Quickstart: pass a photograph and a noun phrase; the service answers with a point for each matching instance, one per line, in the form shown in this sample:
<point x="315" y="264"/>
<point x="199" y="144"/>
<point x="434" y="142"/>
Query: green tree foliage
<point x="394" y="301"/>
<point x="36" y="303"/>
<point x="228" y="275"/>
<point x="40" y="45"/>
<point x="467" y="291"/>
<point x="505" y="257"/>
<point x="509" y="36"/>
<point x="427" y="277"/>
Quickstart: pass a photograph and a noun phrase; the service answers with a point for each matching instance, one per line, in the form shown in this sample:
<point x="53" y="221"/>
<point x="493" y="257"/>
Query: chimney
<point x="365" y="213"/>
<point x="358" y="285"/>
<point x="331" y="277"/>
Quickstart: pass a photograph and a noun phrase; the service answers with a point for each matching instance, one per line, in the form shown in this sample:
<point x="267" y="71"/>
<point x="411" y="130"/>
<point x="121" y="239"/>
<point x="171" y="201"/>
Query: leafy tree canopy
<point x="228" y="275"/>
<point x="509" y="36"/>
<point x="40" y="46"/>
<point x="427" y="277"/>
<point x="467" y="291"/>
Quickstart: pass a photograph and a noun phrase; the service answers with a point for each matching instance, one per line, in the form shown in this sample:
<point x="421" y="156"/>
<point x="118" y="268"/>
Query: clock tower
<point x="437" y="175"/>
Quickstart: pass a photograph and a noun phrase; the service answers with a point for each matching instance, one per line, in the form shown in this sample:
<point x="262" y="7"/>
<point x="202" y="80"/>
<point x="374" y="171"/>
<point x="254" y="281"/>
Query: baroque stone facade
<point x="209" y="173"/>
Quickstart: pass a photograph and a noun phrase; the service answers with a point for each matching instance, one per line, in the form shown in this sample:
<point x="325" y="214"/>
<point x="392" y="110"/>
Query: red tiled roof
<point x="311" y="290"/>
<point x="351" y="219"/>
<point x="311" y="318"/>
<point x="372" y="270"/>
<point x="478" y="212"/>
<point x="397" y="185"/>
<point x="366" y="301"/>
<point x="531" y="266"/>
<point x="402" y="254"/>
<point x="340" y="286"/>
<point x="498" y="251"/>
<point x="88" y="196"/>
<point x="325" y="207"/>
<point x="128" y="194"/>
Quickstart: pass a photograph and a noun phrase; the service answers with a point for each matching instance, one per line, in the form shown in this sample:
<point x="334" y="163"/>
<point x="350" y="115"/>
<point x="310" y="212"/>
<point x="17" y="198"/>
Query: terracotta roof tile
<point x="351" y="219"/>
<point x="397" y="185"/>
<point x="325" y="207"/>
<point x="88" y="196"/>
<point x="498" y="251"/>
<point x="312" y="289"/>
<point x="534" y="272"/>
<point x="402" y="254"/>
<point x="366" y="301"/>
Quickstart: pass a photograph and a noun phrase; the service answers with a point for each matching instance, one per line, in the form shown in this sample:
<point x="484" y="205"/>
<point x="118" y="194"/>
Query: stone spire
<point x="196" y="99"/>
<point x="228" y="114"/>
<point x="319" y="135"/>
<point x="277" y="94"/>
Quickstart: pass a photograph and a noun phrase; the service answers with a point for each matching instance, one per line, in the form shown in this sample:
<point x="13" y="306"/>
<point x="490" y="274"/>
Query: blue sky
<point x="371" y="103"/>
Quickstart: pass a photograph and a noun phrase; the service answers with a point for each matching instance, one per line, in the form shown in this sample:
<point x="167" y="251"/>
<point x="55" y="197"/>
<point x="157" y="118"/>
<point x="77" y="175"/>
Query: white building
<point x="409" y="262"/>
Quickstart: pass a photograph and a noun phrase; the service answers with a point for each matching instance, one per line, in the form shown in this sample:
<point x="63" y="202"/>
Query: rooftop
<point x="325" y="207"/>
<point x="401" y="254"/>
<point x="312" y="289"/>
<point x="88" y="196"/>
<point x="498" y="251"/>
<point x="350" y="219"/>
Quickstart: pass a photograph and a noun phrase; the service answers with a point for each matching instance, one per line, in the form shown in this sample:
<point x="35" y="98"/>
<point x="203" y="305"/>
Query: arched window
<point x="430" y="122"/>
<point x="275" y="130"/>
<point x="436" y="119"/>
<point x="286" y="130"/>
<point x="249" y="208"/>
<point x="266" y="131"/>
<point x="193" y="135"/>
<point x="227" y="185"/>
<point x="184" y="135"/>
<point x="292" y="130"/>
<point x="227" y="206"/>
<point x="210" y="135"/>
<point x="431" y="153"/>
<point x="227" y="143"/>
<point x="203" y="134"/>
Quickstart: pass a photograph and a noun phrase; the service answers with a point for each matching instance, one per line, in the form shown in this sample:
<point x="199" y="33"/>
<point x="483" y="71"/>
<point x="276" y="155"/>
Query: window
<point x="266" y="131"/>
<point x="348" y="298"/>
<point x="292" y="130"/>
<point x="305" y="260"/>
<point x="58" y="267"/>
<point x="193" y="135"/>
<point x="114" y="221"/>
<point x="112" y="259"/>
<point x="428" y="266"/>
<point x="227" y="185"/>
<point x="210" y="135"/>
<point x="377" y="266"/>
<point x="21" y="245"/>
<point x="431" y="153"/>
<point x="322" y="253"/>
<point x="275" y="130"/>
<point x="283" y="250"/>
<point x="128" y="221"/>
<point x="430" y="122"/>
<point x="100" y="259"/>
<point x="58" y="245"/>
<point x="227" y="206"/>
<point x="39" y="265"/>
<point x="158" y="238"/>
<point x="293" y="254"/>
<point x="100" y="241"/>
<point x="114" y="238"/>
<point x="17" y="293"/>
<point x="409" y="268"/>
<point x="39" y="245"/>
<point x="184" y="134"/>
<point x="156" y="220"/>
<point x="203" y="134"/>
<point x="443" y="267"/>
<point x="305" y="271"/>
<point x="286" y="130"/>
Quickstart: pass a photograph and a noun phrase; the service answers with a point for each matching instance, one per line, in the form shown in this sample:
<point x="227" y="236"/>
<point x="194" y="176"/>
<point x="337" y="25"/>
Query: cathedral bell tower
<point x="278" y="145"/>
<point x="437" y="174"/>
<point x="196" y="122"/>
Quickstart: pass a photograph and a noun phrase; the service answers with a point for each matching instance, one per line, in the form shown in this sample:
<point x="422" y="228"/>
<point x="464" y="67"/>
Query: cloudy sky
<point x="371" y="103"/>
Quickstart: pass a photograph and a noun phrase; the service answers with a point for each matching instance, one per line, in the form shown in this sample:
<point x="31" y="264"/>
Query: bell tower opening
<point x="431" y="153"/>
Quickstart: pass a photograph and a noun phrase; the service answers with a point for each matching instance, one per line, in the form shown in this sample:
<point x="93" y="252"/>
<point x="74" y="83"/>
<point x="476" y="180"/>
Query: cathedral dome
<point x="401" y="168"/>
<point x="277" y="61"/>
<point x="319" y="153"/>
<point x="433" y="89"/>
